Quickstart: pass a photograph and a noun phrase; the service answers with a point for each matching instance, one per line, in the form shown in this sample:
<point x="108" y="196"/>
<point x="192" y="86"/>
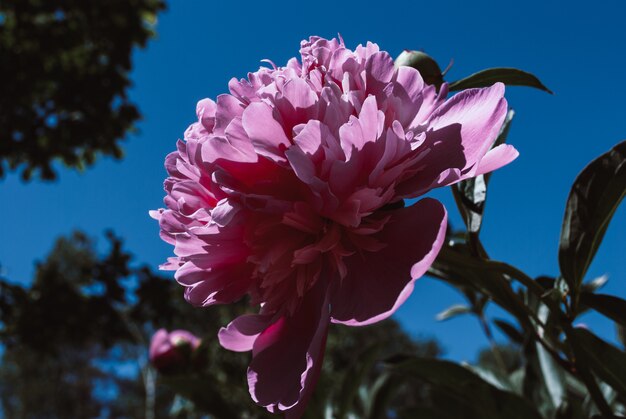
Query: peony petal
<point x="496" y="158"/>
<point x="265" y="132"/>
<point x="224" y="211"/>
<point x="479" y="113"/>
<point x="287" y="356"/>
<point x="228" y="107"/>
<point x="378" y="283"/>
<point x="205" y="110"/>
<point x="379" y="71"/>
<point x="240" y="334"/>
<point x="299" y="94"/>
<point x="217" y="287"/>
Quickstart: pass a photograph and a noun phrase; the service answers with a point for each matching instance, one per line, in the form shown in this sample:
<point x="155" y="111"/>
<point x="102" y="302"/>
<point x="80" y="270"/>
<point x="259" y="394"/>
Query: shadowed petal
<point x="240" y="334"/>
<point x="480" y="114"/>
<point x="287" y="356"/>
<point x="378" y="283"/>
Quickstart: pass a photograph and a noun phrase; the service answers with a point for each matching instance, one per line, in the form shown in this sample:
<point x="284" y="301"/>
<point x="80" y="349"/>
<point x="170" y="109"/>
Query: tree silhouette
<point x="64" y="75"/>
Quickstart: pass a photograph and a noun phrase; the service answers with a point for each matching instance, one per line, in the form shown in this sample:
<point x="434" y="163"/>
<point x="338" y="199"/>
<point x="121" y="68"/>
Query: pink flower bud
<point x="171" y="352"/>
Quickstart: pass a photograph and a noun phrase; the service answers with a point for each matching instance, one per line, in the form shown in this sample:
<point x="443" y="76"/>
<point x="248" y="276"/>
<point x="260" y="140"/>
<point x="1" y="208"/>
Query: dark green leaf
<point x="481" y="399"/>
<point x="604" y="359"/>
<point x="509" y="330"/>
<point x="612" y="307"/>
<point x="508" y="76"/>
<point x="595" y="284"/>
<point x="470" y="196"/>
<point x="595" y="195"/>
<point x="494" y="376"/>
<point x="453" y="311"/>
<point x="535" y="385"/>
<point x="553" y="375"/>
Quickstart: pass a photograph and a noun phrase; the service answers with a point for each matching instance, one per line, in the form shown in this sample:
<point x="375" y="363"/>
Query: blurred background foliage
<point x="64" y="76"/>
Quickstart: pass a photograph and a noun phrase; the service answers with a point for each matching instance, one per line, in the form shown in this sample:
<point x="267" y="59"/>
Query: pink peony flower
<point x="290" y="189"/>
<point x="171" y="351"/>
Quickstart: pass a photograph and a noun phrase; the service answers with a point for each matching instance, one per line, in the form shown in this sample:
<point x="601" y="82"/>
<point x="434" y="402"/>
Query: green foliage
<point x="464" y="391"/>
<point x="64" y="67"/>
<point x="612" y="307"/>
<point x="565" y="372"/>
<point x="508" y="76"/>
<point x="604" y="359"/>
<point x="595" y="195"/>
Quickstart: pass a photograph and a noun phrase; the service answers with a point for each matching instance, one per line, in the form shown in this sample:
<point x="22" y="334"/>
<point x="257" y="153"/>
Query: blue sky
<point x="578" y="49"/>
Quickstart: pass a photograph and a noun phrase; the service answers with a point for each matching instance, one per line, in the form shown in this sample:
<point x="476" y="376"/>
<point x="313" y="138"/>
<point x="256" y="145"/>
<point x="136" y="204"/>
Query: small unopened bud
<point x="422" y="62"/>
<point x="172" y="352"/>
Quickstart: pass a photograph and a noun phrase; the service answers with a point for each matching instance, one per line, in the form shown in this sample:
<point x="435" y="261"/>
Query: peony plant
<point x="303" y="189"/>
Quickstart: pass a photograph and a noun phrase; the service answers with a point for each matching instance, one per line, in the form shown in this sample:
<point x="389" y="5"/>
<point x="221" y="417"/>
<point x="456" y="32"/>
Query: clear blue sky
<point x="578" y="49"/>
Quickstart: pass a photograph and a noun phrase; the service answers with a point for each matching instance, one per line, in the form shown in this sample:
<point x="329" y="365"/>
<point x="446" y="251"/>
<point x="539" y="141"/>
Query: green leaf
<point x="553" y="375"/>
<point x="604" y="359"/>
<point x="499" y="379"/>
<point x="595" y="195"/>
<point x="509" y="330"/>
<point x="595" y="284"/>
<point x="453" y="311"/>
<point x="470" y="196"/>
<point x="479" y="398"/>
<point x="612" y="307"/>
<point x="508" y="76"/>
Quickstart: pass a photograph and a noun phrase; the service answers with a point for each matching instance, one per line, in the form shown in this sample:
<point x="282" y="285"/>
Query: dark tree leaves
<point x="595" y="195"/>
<point x="64" y="80"/>
<point x="508" y="76"/>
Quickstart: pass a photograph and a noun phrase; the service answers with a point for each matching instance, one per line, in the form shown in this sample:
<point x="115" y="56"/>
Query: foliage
<point x="564" y="370"/>
<point x="64" y="67"/>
